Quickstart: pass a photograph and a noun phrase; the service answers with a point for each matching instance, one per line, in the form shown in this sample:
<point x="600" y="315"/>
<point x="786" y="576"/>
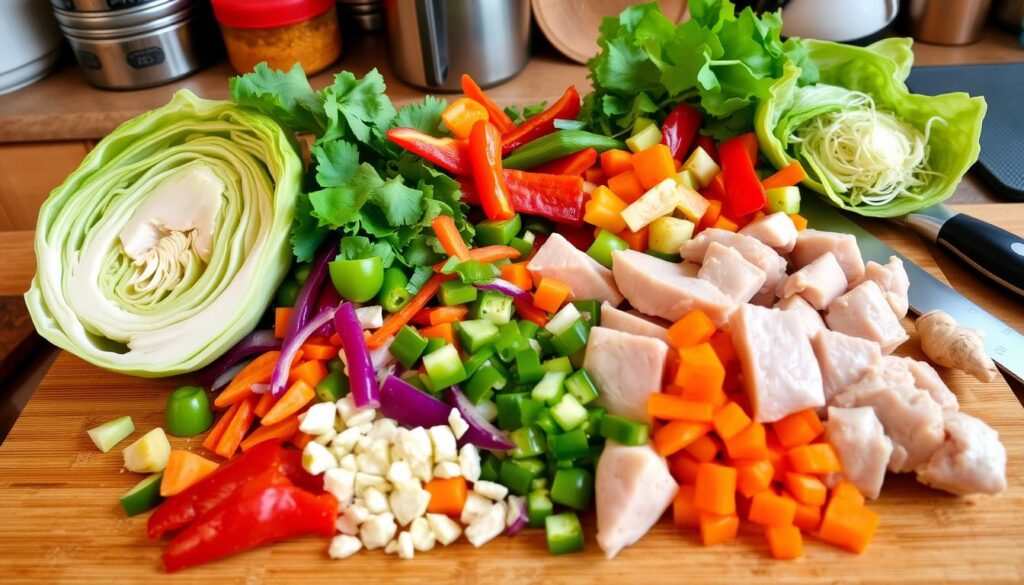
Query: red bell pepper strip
<point x="267" y="509"/>
<point x="749" y="142"/>
<point x="485" y="160"/>
<point x="559" y="198"/>
<point x="212" y="490"/>
<point x="571" y="164"/>
<point x="679" y="130"/>
<point x="566" y="108"/>
<point x="497" y="116"/>
<point x="743" y="190"/>
<point x="448" y="153"/>
<point x="708" y="144"/>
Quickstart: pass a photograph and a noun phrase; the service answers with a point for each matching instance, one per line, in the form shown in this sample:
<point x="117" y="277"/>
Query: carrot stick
<point x="449" y="237"/>
<point x="281" y="316"/>
<point x="184" y="468"/>
<point x="395" y="321"/>
<point x="210" y="443"/>
<point x="787" y="176"/>
<point x="266" y="401"/>
<point x="312" y="372"/>
<point x="258" y="371"/>
<point x="240" y="423"/>
<point x="488" y="254"/>
<point x="297" y="396"/>
<point x="317" y="351"/>
<point x="282" y="430"/>
<point x="301" y="439"/>
<point x="442" y="315"/>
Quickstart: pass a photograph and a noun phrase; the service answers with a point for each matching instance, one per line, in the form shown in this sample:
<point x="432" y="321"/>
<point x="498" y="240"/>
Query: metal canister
<point x="151" y="43"/>
<point x="948" y="22"/>
<point x="97" y="5"/>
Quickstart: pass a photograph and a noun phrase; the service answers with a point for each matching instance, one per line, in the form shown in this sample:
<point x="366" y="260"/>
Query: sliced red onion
<point x="291" y="347"/>
<point x="517" y="516"/>
<point x="259" y="341"/>
<point x="329" y="299"/>
<point x="228" y="375"/>
<point x="506" y="288"/>
<point x="361" y="376"/>
<point x="409" y="406"/>
<point x="481" y="433"/>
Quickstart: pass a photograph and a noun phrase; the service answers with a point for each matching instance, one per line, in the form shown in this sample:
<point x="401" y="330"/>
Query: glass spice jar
<point x="280" y="32"/>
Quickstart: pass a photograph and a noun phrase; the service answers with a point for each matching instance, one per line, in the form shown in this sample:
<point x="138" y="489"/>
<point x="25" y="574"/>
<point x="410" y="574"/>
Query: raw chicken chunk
<point x="728" y="270"/>
<point x="863" y="448"/>
<point x="894" y="282"/>
<point x="754" y="251"/>
<point x="656" y="287"/>
<point x="586" y="278"/>
<point x="613" y="318"/>
<point x="820" y="282"/>
<point x="864" y="312"/>
<point x="776" y="230"/>
<point x="810" y="318"/>
<point x="843" y="359"/>
<point x="633" y="488"/>
<point x="911" y="419"/>
<point x="888" y="372"/>
<point x="927" y="379"/>
<point x="971" y="461"/>
<point x="779" y="368"/>
<point x="811" y="244"/>
<point x="626" y="368"/>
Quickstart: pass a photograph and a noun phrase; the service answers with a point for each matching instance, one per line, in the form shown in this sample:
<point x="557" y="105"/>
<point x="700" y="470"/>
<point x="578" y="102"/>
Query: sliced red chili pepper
<point x="212" y="490"/>
<point x="485" y="160"/>
<point x="566" y="108"/>
<point x="267" y="509"/>
<point x="497" y="115"/>
<point x="679" y="129"/>
<point x="743" y="190"/>
<point x="572" y="164"/>
<point x="559" y="198"/>
<point x="448" y="153"/>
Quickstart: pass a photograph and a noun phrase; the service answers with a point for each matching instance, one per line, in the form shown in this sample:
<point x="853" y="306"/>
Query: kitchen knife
<point x="1004" y="345"/>
<point x="992" y="251"/>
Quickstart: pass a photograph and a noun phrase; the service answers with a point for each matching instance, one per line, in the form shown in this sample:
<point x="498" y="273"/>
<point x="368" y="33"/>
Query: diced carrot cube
<point x="715" y="489"/>
<point x="848" y="524"/>
<point x="715" y="528"/>
<point x="626" y="186"/>
<point x="692" y="329"/>
<point x="730" y="420"/>
<point x="653" y="165"/>
<point x="703" y="449"/>
<point x="678" y="434"/>
<point x="616" y="161"/>
<point x="769" y="509"/>
<point x="819" y="458"/>
<point x="845" y="489"/>
<point x="699" y="369"/>
<point x="668" y="407"/>
<point x="550" y="294"/>
<point x="799" y="428"/>
<point x="806" y="489"/>
<point x="683" y="467"/>
<point x="807" y="517"/>
<point x="635" y="240"/>
<point x="517" y="274"/>
<point x="799" y="221"/>
<point x="721" y="342"/>
<point x="684" y="512"/>
<point x="750" y="443"/>
<point x="753" y="477"/>
<point x="785" y="542"/>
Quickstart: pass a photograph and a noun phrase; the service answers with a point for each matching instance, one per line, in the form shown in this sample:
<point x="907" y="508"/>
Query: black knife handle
<point x="991" y="250"/>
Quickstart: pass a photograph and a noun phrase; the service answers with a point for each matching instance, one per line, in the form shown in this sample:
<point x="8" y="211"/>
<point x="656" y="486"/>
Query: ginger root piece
<point x="948" y="344"/>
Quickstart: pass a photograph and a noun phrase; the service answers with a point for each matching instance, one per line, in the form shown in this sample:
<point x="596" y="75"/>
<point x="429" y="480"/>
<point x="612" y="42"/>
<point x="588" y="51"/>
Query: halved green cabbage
<point x="163" y="249"/>
<point x="878" y="70"/>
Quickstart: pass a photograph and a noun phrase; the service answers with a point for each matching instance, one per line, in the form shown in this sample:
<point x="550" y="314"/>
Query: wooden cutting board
<point x="61" y="522"/>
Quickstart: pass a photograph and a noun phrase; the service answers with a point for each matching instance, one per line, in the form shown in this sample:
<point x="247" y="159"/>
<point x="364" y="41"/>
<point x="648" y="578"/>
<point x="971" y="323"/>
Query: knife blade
<point x="1004" y="345"/>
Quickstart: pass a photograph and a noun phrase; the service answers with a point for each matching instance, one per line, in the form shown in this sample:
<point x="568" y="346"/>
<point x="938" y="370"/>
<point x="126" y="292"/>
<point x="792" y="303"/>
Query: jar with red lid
<point x="280" y="32"/>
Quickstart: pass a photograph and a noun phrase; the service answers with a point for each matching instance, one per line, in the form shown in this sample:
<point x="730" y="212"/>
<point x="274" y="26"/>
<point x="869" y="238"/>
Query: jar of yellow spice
<point x="280" y="32"/>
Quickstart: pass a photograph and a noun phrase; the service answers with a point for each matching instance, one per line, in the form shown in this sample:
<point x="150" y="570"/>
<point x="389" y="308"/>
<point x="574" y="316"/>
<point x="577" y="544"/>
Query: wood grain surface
<point x="62" y="523"/>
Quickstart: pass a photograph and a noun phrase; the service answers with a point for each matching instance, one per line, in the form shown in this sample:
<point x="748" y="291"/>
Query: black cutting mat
<point x="1001" y="163"/>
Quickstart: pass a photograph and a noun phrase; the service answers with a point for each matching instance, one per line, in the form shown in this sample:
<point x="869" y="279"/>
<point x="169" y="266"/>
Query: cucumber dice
<point x="668" y="234"/>
<point x="110" y="433"/>
<point x="142" y="497"/>
<point x="785" y="199"/>
<point x="703" y="167"/>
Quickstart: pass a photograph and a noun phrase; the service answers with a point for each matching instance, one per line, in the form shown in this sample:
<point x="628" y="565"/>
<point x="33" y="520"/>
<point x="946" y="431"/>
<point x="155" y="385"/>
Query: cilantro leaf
<point x="400" y="204"/>
<point x="359" y="247"/>
<point x="357" y="107"/>
<point x="424" y="116"/>
<point x="338" y="206"/>
<point x="286" y="97"/>
<point x="336" y="162"/>
<point x="307" y="234"/>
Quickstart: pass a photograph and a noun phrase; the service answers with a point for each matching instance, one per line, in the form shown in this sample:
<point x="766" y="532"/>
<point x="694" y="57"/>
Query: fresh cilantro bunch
<point x="721" y="62"/>
<point x="379" y="197"/>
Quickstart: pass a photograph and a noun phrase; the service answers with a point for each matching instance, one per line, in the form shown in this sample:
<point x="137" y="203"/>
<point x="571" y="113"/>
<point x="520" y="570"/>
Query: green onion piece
<point x="528" y="329"/>
<point x="188" y="412"/>
<point x="144" y="496"/>
<point x="107" y="435"/>
<point x="569" y="413"/>
<point x="478" y="359"/>
<point x="444" y="368"/>
<point x="545" y="421"/>
<point x="528" y="441"/>
<point x="558" y="364"/>
<point x="530" y="411"/>
<point x="624" y="431"/>
<point x="564" y="533"/>
<point x="590" y="310"/>
<point x="573" y="487"/>
<point x="582" y="387"/>
<point x="408" y="346"/>
<point x="544" y="341"/>
<point x="593" y="424"/>
<point x="550" y="388"/>
<point x="572" y="339"/>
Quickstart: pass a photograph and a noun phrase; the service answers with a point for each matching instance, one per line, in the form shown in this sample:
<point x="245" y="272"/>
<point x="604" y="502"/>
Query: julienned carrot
<point x="213" y="437"/>
<point x="448" y="315"/>
<point x="669" y="407"/>
<point x="294" y="398"/>
<point x="447" y="496"/>
<point x="312" y="372"/>
<point x="281" y="316"/>
<point x="237" y="429"/>
<point x="324" y="352"/>
<point x="395" y="321"/>
<point x="495" y="114"/>
<point x="258" y="371"/>
<point x="789" y="175"/>
<point x="526" y="310"/>
<point x="694" y="328"/>
<point x="264" y="404"/>
<point x="488" y="254"/>
<point x="282" y="430"/>
<point x="184" y="468"/>
<point x="449" y="237"/>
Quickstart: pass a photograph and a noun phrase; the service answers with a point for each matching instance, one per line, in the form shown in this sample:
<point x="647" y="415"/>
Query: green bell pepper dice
<point x="564" y="533"/>
<point x="528" y="441"/>
<point x="518" y="475"/>
<point x="624" y="431"/>
<point x="496" y="232"/>
<point x="582" y="387"/>
<point x="572" y="339"/>
<point x="490" y="468"/>
<point x="573" y="487"/>
<point x="333" y="387"/>
<point x="408" y="346"/>
<point x="478" y="359"/>
<point x="456" y="292"/>
<point x="483" y="384"/>
<point x="528" y="367"/>
<point x="477" y="334"/>
<point x="538" y="507"/>
<point x="494" y="307"/>
<point x="571" y="445"/>
<point x="444" y="368"/>
<point x="604" y="244"/>
<point x="188" y="412"/>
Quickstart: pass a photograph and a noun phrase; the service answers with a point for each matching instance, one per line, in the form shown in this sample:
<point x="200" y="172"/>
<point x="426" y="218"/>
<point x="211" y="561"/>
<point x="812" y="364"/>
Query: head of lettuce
<point x="163" y="249"/>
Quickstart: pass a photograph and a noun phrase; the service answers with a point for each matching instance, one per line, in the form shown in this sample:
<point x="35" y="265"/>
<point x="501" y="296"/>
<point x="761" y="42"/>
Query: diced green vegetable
<point x="624" y="431"/>
<point x="510" y="342"/>
<point x="522" y="246"/>
<point x="494" y="232"/>
<point x="543" y="339"/>
<point x="394" y="293"/>
<point x="595" y="414"/>
<point x="666" y="257"/>
<point x="477" y="334"/>
<point x="530" y="411"/>
<point x="528" y="329"/>
<point x="687" y="179"/>
<point x="528" y="441"/>
<point x="335" y="364"/>
<point x="559" y="364"/>
<point x="569" y="413"/>
<point x="538" y="507"/>
<point x="563" y="319"/>
<point x="564" y="533"/>
<point x="528" y="367"/>
<point x="645" y="138"/>
<point x="483" y="384"/>
<point x="573" y="487"/>
<point x="494" y="307"/>
<point x="188" y="412"/>
<point x="590" y="311"/>
<point x="490" y="468"/>
<point x="556" y="145"/>
<point x="287" y="293"/>
<point x="110" y="433"/>
<point x="582" y="387"/>
<point x="472" y="271"/>
<point x="510" y="409"/>
<point x="434" y="344"/>
<point x="478" y="359"/>
<point x="545" y="421"/>
<point x="572" y="339"/>
<point x="604" y="244"/>
<point x="785" y="199"/>
<point x="144" y="496"/>
<point x="444" y="367"/>
<point x="640" y="124"/>
<point x="569" y="445"/>
<point x="456" y="292"/>
<point x="550" y="388"/>
<point x="149" y="453"/>
<point x="517" y="475"/>
<point x="408" y="346"/>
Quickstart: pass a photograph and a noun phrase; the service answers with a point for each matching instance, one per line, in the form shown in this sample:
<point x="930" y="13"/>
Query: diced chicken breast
<point x="810" y="318"/>
<point x="894" y="282"/>
<point x="888" y="372"/>
<point x="927" y="379"/>
<point x="613" y="318"/>
<point x="754" y="251"/>
<point x="626" y="369"/>
<point x="811" y="244"/>
<point x="971" y="461"/>
<point x="820" y="282"/>
<point x="776" y="230"/>
<point x="864" y="312"/>
<point x="731" y="273"/>
<point x="656" y="287"/>
<point x="863" y="448"/>
<point x="689" y="269"/>
<point x="633" y="488"/>
<point x="586" y="278"/>
<point x="843" y="359"/>
<point x="911" y="419"/>
<point x="764" y="299"/>
<point x="779" y="368"/>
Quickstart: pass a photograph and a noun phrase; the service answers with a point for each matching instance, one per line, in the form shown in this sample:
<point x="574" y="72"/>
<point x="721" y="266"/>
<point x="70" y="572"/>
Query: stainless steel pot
<point x="97" y="5"/>
<point x="433" y="42"/>
<point x="150" y="44"/>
